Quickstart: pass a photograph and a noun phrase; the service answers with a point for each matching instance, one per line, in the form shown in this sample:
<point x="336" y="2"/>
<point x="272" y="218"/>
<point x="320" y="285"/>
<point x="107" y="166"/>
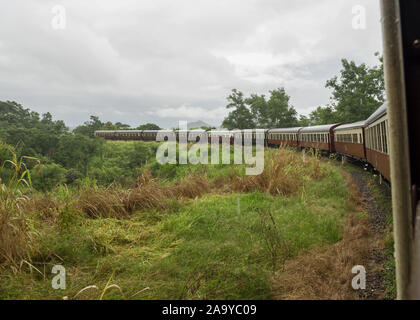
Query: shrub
<point x="47" y="176"/>
<point x="72" y="175"/>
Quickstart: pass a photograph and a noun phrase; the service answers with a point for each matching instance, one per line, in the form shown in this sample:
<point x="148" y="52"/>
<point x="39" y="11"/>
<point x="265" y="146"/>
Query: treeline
<point x="63" y="156"/>
<point x="356" y="93"/>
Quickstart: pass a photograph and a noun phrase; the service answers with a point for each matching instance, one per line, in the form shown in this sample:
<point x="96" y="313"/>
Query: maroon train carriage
<point x="283" y="137"/>
<point x="181" y="134"/>
<point x="318" y="137"/>
<point x="196" y="134"/>
<point x="149" y="135"/>
<point x="377" y="137"/>
<point x="119" y="134"/>
<point x="349" y="140"/>
<point x="251" y="134"/>
<point x="222" y="134"/>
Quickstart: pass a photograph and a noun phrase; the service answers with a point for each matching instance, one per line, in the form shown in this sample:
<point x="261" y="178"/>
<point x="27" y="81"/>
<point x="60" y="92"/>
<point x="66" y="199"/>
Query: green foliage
<point x="303" y="121"/>
<point x="148" y="126"/>
<point x="33" y="134"/>
<point x="75" y="151"/>
<point x="89" y="127"/>
<point x="256" y="111"/>
<point x="323" y="115"/>
<point x="241" y="117"/>
<point x="13" y="170"/>
<point x="47" y="176"/>
<point x="121" y="161"/>
<point x="225" y="246"/>
<point x="358" y="92"/>
<point x="73" y="175"/>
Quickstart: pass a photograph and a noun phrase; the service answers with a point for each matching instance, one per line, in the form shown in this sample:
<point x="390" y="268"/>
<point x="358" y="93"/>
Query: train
<point x="366" y="140"/>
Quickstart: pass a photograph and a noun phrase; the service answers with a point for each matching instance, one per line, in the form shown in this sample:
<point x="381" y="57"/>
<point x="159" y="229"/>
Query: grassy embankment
<point x="186" y="232"/>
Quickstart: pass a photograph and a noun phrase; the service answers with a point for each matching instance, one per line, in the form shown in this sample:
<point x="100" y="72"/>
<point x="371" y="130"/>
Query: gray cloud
<point x="165" y="60"/>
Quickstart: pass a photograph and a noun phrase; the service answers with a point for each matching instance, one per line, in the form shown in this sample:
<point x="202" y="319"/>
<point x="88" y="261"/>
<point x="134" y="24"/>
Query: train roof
<point x="322" y="128"/>
<point x="354" y="125"/>
<point x="381" y="111"/>
<point x="224" y="132"/>
<point x="122" y="131"/>
<point x="286" y="130"/>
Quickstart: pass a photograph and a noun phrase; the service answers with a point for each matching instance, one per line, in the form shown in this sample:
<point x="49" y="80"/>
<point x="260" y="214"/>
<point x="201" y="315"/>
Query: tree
<point x="241" y="117"/>
<point x="259" y="110"/>
<point x="322" y="115"/>
<point x="75" y="151"/>
<point x="274" y="113"/>
<point x="148" y="126"/>
<point x="358" y="92"/>
<point x="89" y="127"/>
<point x="303" y="121"/>
<point x="281" y="113"/>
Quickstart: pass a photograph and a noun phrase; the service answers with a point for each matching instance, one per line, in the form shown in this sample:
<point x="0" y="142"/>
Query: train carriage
<point x="285" y="137"/>
<point x="251" y="134"/>
<point x="149" y="135"/>
<point x="349" y="139"/>
<point x="318" y="137"/>
<point x="181" y="135"/>
<point x="119" y="134"/>
<point x="222" y="134"/>
<point x="377" y="137"/>
<point x="196" y="135"/>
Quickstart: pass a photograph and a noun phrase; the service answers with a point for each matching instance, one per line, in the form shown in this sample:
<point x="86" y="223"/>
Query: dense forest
<point x="58" y="156"/>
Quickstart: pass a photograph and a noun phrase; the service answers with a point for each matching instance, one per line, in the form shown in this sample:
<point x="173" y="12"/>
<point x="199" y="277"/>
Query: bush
<point x="47" y="176"/>
<point x="72" y="175"/>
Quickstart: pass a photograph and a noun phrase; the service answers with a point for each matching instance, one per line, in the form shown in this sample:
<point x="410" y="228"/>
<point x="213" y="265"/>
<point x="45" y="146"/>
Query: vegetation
<point x="125" y="226"/>
<point x="64" y="157"/>
<point x="189" y="236"/>
<point x="257" y="112"/>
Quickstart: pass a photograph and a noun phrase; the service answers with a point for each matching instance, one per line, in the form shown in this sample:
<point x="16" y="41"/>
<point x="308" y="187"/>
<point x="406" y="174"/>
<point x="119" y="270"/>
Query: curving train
<point x="364" y="140"/>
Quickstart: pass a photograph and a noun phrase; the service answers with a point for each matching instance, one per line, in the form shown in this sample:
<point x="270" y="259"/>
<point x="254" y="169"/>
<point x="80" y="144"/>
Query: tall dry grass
<point x="285" y="173"/>
<point x="148" y="194"/>
<point x="15" y="235"/>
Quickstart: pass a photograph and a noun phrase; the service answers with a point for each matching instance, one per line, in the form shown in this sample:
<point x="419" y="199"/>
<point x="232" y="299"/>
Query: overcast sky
<point x="167" y="60"/>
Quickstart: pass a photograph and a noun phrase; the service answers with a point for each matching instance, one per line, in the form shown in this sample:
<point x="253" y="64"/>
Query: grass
<point x="381" y="193"/>
<point x="204" y="235"/>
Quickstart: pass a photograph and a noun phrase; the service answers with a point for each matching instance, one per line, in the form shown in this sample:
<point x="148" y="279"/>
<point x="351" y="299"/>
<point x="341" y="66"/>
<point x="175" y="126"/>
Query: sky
<point x="163" y="61"/>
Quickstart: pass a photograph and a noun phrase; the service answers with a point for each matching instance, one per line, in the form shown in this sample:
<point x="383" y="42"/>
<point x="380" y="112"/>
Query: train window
<point x="374" y="138"/>
<point x="384" y="138"/>
<point x="380" y="137"/>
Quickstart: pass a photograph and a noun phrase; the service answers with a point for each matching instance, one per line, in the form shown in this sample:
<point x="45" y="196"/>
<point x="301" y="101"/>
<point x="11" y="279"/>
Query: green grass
<point x="208" y="248"/>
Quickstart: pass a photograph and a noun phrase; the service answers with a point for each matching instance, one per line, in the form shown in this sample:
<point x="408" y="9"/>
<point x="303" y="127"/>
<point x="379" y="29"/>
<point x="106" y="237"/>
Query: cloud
<point x="190" y="112"/>
<point x="162" y="60"/>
